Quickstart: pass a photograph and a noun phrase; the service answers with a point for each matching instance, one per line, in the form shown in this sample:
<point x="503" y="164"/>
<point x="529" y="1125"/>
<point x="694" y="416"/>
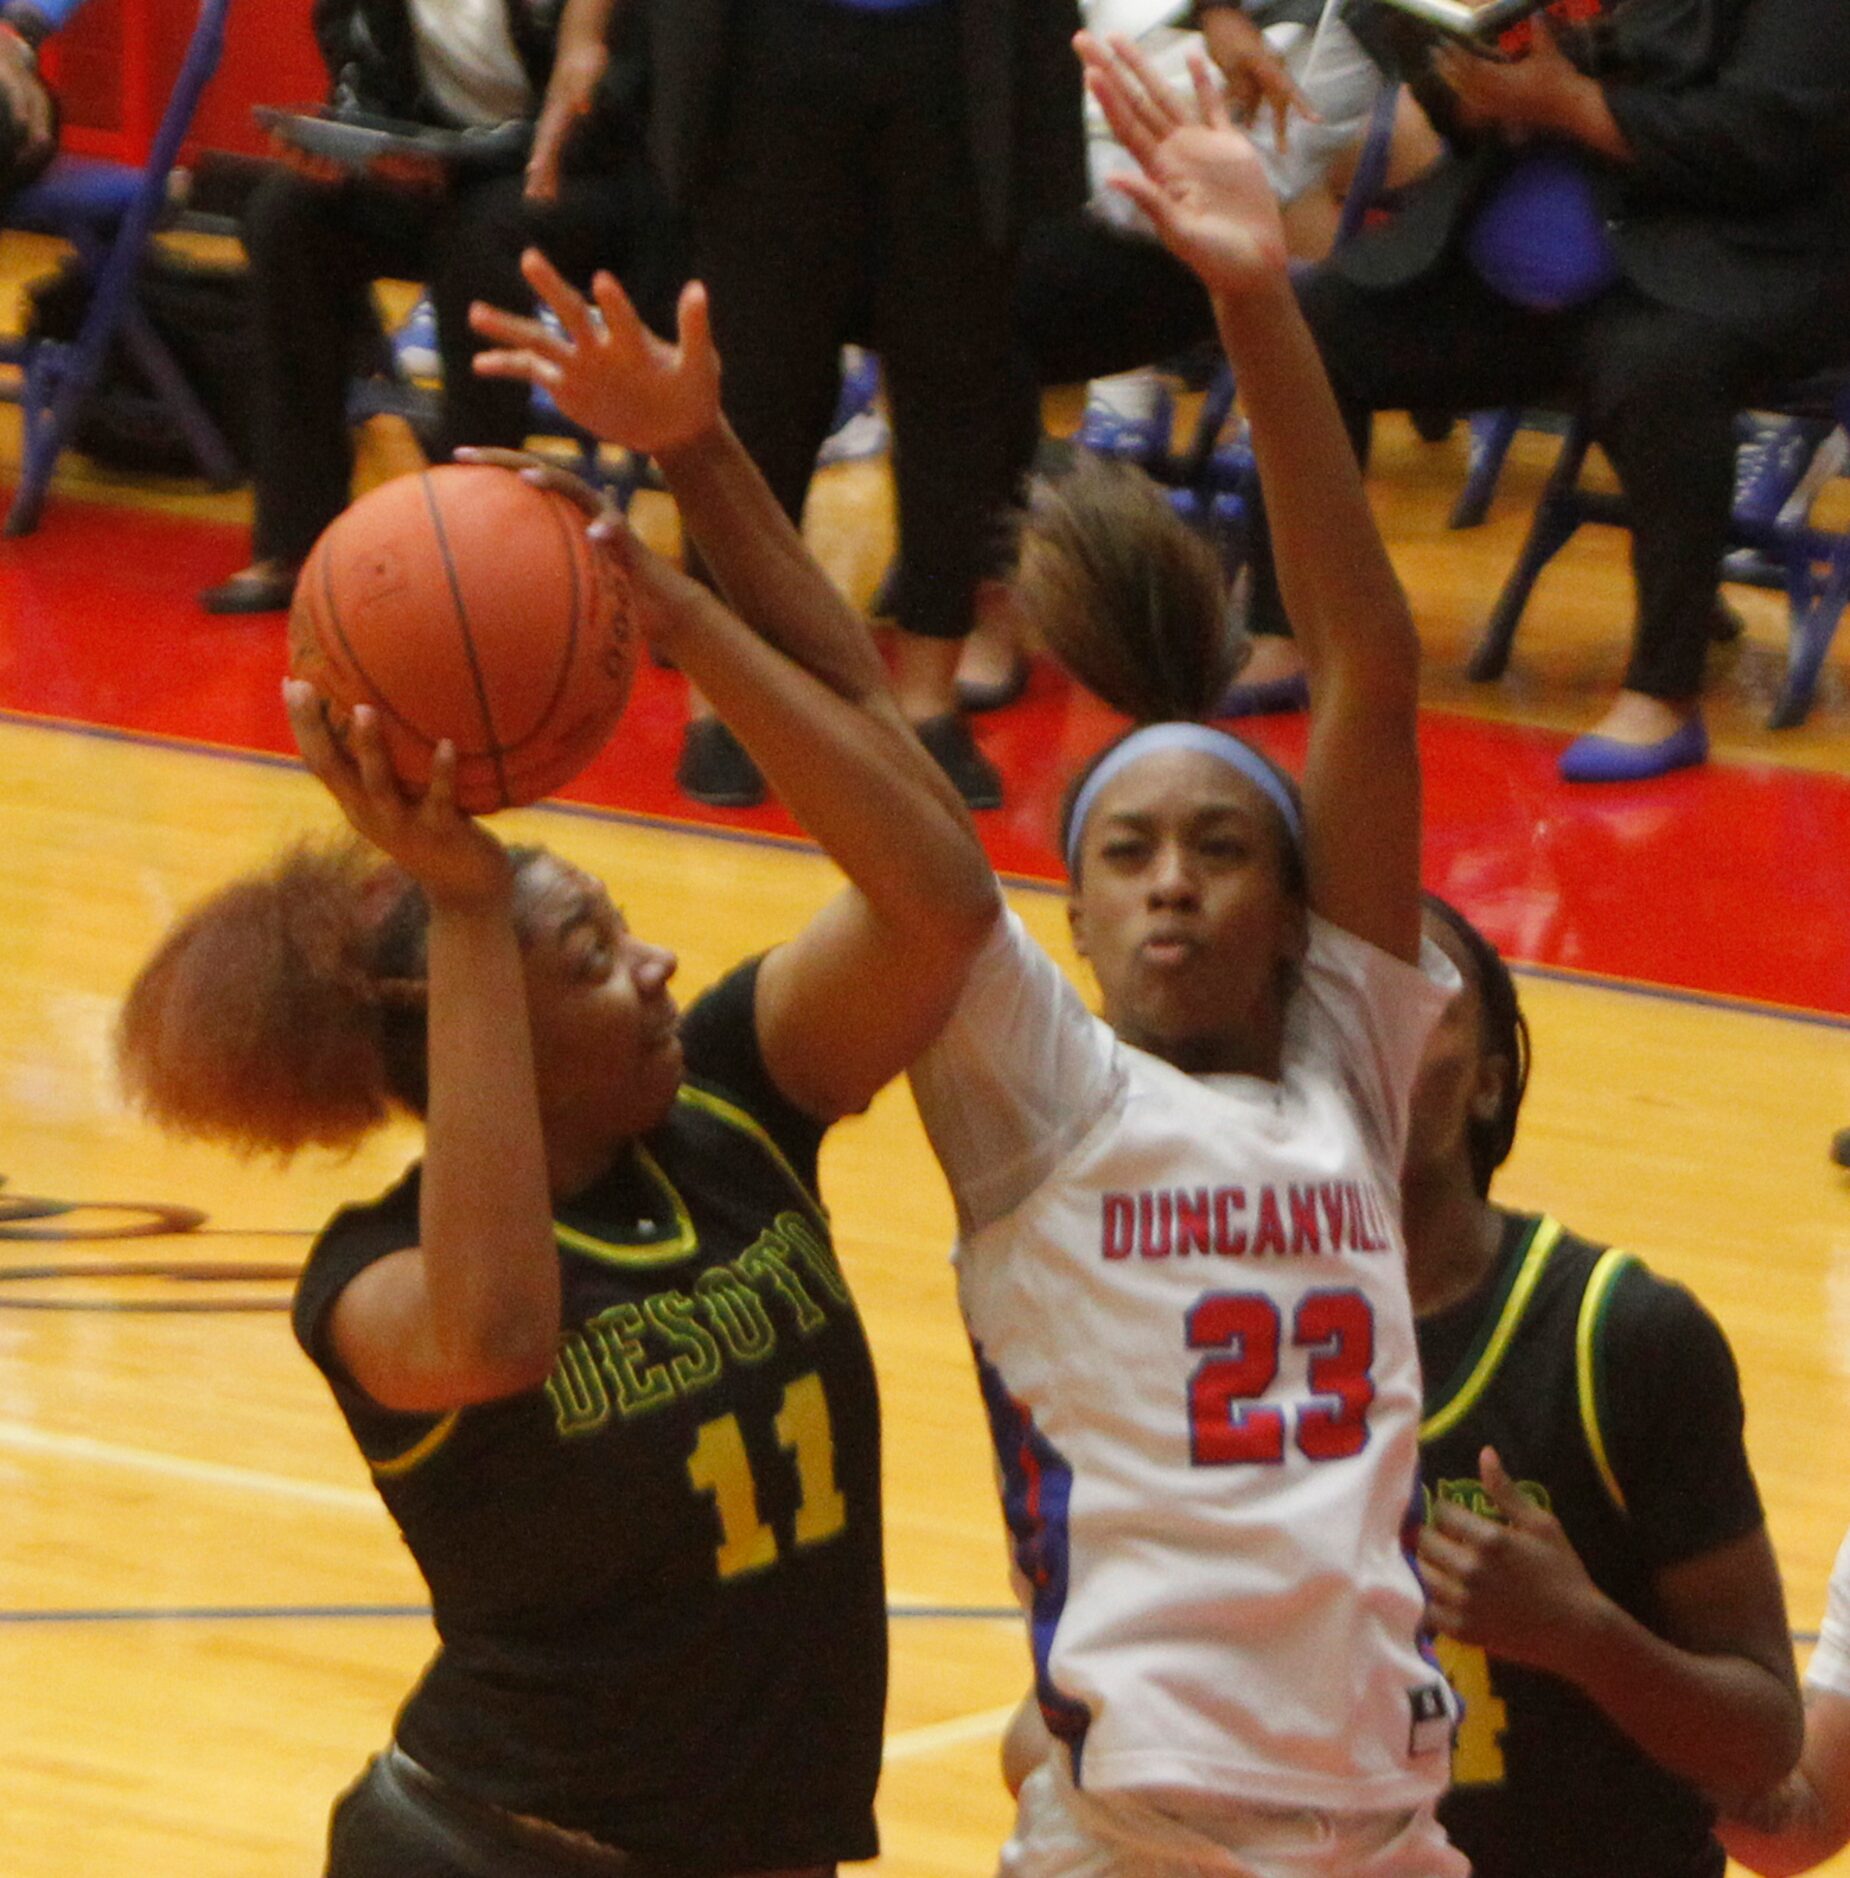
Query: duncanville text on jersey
<point x="1297" y="1221"/>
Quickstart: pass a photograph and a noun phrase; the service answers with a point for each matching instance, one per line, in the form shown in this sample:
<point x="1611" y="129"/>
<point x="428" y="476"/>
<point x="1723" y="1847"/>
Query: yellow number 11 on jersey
<point x="720" y="1466"/>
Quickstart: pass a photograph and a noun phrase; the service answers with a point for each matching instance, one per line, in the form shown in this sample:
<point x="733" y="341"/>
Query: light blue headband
<point x="1203" y="738"/>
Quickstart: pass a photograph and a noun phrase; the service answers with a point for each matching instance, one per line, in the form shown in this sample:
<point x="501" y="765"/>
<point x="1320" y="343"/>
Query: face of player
<point x="1457" y="1083"/>
<point x="1185" y="912"/>
<point x="606" y="1047"/>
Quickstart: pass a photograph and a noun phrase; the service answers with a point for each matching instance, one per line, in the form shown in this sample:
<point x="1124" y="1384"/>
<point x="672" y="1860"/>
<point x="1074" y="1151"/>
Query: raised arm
<point x="472" y="1311"/>
<point x="1204" y="189"/>
<point x="847" y="1004"/>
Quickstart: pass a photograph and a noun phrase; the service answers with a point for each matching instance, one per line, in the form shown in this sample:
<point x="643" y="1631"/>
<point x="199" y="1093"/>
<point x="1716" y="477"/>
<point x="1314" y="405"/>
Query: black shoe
<point x="715" y="769"/>
<point x="1725" y="624"/>
<point x="1840" y="1148"/>
<point x="256" y="590"/>
<point x="953" y="748"/>
<point x="1432" y="426"/>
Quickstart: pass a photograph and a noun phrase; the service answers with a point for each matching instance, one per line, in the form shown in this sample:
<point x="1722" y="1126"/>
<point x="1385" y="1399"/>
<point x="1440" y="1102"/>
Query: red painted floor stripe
<point x="1733" y="880"/>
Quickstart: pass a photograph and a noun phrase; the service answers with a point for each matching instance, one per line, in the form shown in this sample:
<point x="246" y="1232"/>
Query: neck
<point x="1452" y="1236"/>
<point x="1260" y="1052"/>
<point x="576" y="1161"/>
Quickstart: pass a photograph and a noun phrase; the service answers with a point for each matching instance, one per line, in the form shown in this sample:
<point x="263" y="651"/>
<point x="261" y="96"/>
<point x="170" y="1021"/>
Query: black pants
<point x="842" y="205"/>
<point x="1095" y="300"/>
<point x="315" y="248"/>
<point x="1659" y="388"/>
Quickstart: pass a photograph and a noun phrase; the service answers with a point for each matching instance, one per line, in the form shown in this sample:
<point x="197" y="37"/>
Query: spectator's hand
<point x="608" y="372"/>
<point x="568" y="97"/>
<point x="456" y="861"/>
<point x="1256" y="76"/>
<point x="1513" y="1585"/>
<point x="1518" y="96"/>
<point x="25" y="97"/>
<point x="1202" y="185"/>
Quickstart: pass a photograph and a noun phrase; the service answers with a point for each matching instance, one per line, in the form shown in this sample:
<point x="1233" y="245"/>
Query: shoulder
<point x="356" y="1237"/>
<point x="719" y="1043"/>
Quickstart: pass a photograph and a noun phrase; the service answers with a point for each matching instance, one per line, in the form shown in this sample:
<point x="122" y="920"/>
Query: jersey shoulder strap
<point x="1589" y="1361"/>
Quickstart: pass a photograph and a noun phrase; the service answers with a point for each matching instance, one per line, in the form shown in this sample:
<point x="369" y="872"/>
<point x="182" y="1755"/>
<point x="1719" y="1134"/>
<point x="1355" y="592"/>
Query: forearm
<point x="1343" y="598"/>
<point x="584" y="26"/>
<point x="846" y="766"/>
<point x="485" y="1225"/>
<point x="1722" y="1721"/>
<point x="763" y="567"/>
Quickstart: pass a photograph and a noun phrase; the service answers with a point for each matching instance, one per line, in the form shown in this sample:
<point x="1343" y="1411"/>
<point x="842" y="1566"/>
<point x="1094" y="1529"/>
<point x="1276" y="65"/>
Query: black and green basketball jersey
<point x="657" y="1579"/>
<point x="1612" y="1399"/>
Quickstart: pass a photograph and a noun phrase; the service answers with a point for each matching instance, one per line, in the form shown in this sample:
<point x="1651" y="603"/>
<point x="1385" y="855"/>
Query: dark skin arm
<point x="1714" y="1698"/>
<point x="1206" y="194"/>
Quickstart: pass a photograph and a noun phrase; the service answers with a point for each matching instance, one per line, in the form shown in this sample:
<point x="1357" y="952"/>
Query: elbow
<point x="505" y="1349"/>
<point x="1766" y="1752"/>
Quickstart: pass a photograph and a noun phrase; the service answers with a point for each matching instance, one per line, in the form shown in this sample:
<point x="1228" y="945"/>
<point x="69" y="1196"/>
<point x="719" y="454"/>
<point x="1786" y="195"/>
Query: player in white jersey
<point x="1806" y="1818"/>
<point x="1179" y="1251"/>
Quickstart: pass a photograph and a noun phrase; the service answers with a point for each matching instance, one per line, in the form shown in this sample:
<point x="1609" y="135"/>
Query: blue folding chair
<point x="1784" y="457"/>
<point x="108" y="211"/>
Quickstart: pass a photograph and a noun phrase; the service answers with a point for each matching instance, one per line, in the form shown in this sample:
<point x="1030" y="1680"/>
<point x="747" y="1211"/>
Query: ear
<point x="1488" y="1086"/>
<point x="1076" y="925"/>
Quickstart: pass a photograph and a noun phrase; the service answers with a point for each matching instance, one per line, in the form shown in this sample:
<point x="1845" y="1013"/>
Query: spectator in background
<point x="1647" y="218"/>
<point x="1806" y="1818"/>
<point x="28" y="111"/>
<point x="318" y="236"/>
<point x="864" y="169"/>
<point x="1595" y="1557"/>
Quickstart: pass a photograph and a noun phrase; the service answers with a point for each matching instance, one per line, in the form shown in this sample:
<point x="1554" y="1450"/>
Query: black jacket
<point x="1737" y="201"/>
<point x="1022" y="83"/>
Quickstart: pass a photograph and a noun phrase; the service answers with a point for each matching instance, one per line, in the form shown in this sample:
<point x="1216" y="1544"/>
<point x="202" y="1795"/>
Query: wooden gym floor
<point x="205" y="1618"/>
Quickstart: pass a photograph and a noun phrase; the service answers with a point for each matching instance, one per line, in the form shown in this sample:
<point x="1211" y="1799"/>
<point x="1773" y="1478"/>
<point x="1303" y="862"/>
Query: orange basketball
<point x="466" y="603"/>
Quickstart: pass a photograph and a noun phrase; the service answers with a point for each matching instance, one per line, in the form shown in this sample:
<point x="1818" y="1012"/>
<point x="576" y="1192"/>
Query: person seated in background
<point x="1645" y="218"/>
<point x="28" y="111"/>
<point x="1595" y="1557"/>
<point x="1806" y="1818"/>
<point x="319" y="235"/>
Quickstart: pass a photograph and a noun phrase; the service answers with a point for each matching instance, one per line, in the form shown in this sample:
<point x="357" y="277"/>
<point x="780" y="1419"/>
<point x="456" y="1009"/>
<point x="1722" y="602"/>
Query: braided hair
<point x="1503" y="1031"/>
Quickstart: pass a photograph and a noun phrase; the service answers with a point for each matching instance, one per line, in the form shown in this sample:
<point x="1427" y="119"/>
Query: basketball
<point x="464" y="602"/>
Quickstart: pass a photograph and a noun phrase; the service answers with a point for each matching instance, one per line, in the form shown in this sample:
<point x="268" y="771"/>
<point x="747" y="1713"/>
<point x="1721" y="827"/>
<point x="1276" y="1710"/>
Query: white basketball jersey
<point x="1829" y="1667"/>
<point x="1197" y="1353"/>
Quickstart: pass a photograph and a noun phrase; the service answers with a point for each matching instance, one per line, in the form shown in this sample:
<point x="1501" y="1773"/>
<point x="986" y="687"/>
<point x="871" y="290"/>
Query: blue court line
<point x="794" y="844"/>
<point x="267" y="1613"/>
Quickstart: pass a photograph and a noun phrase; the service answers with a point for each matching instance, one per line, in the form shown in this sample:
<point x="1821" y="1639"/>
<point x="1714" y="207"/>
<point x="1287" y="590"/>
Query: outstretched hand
<point x="457" y="862"/>
<point x="1514" y="1584"/>
<point x="606" y="371"/>
<point x="1202" y="184"/>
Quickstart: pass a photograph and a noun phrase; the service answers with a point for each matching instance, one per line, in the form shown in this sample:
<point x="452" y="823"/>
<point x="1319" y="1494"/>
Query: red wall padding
<point x="115" y="62"/>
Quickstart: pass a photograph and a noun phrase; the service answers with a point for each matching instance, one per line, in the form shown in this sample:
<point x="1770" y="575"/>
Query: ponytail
<point x="286" y="1011"/>
<point x="1125" y="595"/>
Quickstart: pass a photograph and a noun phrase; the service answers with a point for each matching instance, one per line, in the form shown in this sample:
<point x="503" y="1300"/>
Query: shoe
<point x="1267" y="698"/>
<point x="952" y="747"/>
<point x="1595" y="759"/>
<point x="975" y="696"/>
<point x="715" y="768"/>
<point x="255" y="590"/>
<point x="1840" y="1147"/>
<point x="857" y="430"/>
<point x="414" y="343"/>
<point x="1143" y="439"/>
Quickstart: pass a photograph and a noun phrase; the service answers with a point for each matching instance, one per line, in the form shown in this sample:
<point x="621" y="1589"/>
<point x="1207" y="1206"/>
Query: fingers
<point x="1210" y="95"/>
<point x="519" y="331"/>
<point x="367" y="741"/>
<point x="694" y="325"/>
<point x="501" y="459"/>
<point x="558" y="293"/>
<point x="1124" y="112"/>
<point x="1510" y="1500"/>
<point x="1153" y="200"/>
<point x="440" y="795"/>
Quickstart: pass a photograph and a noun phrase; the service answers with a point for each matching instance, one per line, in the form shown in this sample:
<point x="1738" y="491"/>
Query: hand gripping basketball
<point x="469" y="604"/>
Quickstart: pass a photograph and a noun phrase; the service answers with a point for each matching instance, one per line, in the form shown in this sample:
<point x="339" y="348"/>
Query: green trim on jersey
<point x="667" y="1248"/>
<point x="1589" y="1361"/>
<point x="735" y="1117"/>
<point x="1479" y="1366"/>
<point x="419" y="1451"/>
